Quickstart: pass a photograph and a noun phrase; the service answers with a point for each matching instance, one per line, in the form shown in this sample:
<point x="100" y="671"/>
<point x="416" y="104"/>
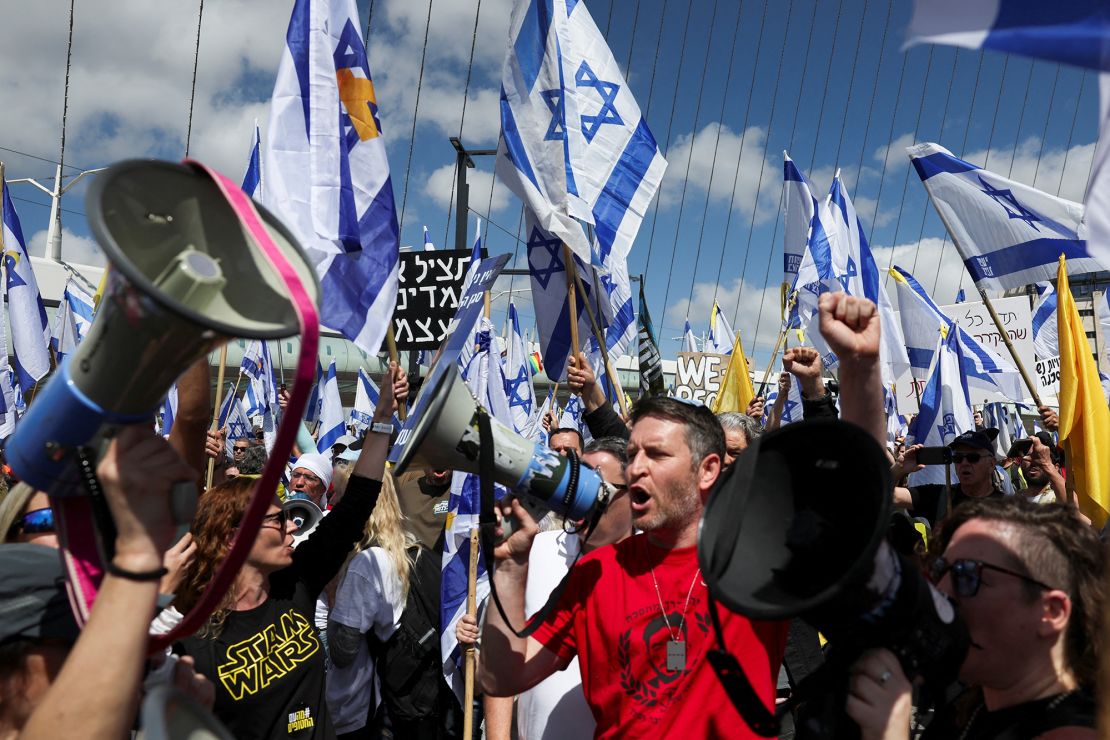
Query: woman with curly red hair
<point x="260" y="646"/>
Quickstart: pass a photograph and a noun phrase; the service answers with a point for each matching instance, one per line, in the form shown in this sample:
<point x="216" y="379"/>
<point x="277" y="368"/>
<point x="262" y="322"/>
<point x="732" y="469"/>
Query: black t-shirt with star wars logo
<point x="267" y="663"/>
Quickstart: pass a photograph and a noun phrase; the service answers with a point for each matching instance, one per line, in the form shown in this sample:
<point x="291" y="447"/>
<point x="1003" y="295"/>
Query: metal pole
<point x="462" y="199"/>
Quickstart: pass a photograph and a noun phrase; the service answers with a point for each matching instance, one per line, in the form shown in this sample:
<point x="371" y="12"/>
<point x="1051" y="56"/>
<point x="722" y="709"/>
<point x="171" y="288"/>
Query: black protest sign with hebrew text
<point x="428" y="289"/>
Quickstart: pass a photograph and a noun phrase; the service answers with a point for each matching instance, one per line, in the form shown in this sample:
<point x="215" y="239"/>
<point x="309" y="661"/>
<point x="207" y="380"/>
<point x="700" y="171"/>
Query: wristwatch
<point x="381" y="427"/>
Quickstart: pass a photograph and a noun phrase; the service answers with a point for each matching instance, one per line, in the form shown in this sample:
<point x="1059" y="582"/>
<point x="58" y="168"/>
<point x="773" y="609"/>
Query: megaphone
<point x="446" y="437"/>
<point x="304" y="514"/>
<point x="795" y="523"/>
<point x="183" y="279"/>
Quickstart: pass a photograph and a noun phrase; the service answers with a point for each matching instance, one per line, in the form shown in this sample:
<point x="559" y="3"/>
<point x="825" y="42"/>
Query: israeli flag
<point x="312" y="408"/>
<point x="618" y="315"/>
<point x="519" y="391"/>
<point x="233" y="419"/>
<point x="1102" y="315"/>
<point x="252" y="178"/>
<point x="428" y="246"/>
<point x="815" y="271"/>
<point x="541" y="434"/>
<point x="1046" y="337"/>
<point x="799" y="209"/>
<point x="475" y="260"/>
<point x="689" y="341"/>
<point x="1008" y="234"/>
<point x="945" y="411"/>
<point x="791" y="407"/>
<point x="258" y="366"/>
<point x="572" y="414"/>
<point x="327" y="174"/>
<point x="548" y="273"/>
<point x="71" y="320"/>
<point x="855" y="270"/>
<point x="366" y="400"/>
<point x="574" y="146"/>
<point x="10" y="400"/>
<point x="922" y="321"/>
<point x="721" y="336"/>
<point x="1074" y="32"/>
<point x="333" y="424"/>
<point x="26" y="312"/>
<point x="169" y="410"/>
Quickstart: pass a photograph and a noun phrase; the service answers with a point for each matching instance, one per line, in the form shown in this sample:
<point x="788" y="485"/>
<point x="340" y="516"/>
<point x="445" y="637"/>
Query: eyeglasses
<point x="278" y="519"/>
<point x="307" y="476"/>
<point x="242" y="448"/>
<point x="971" y="457"/>
<point x="967" y="575"/>
<point x="39" y="521"/>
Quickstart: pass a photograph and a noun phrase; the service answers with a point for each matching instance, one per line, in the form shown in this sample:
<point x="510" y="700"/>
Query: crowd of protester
<point x="337" y="634"/>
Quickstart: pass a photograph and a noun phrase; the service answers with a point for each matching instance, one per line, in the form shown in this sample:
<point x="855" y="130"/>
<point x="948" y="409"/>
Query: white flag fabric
<point x="428" y="246"/>
<point x="1046" y="335"/>
<point x="721" y="336"/>
<point x="945" y="407"/>
<point x="519" y="390"/>
<point x="362" y="415"/>
<point x="327" y="176"/>
<point x="799" y="208"/>
<point x="922" y="321"/>
<point x="333" y="424"/>
<point x="689" y="341"/>
<point x="1074" y="32"/>
<point x="573" y="143"/>
<point x="262" y="396"/>
<point x="26" y="312"/>
<point x="855" y="269"/>
<point x="1009" y="234"/>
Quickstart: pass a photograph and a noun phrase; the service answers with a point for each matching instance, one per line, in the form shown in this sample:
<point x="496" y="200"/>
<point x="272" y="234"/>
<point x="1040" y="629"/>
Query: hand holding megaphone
<point x="518" y="543"/>
<point x="141" y="475"/>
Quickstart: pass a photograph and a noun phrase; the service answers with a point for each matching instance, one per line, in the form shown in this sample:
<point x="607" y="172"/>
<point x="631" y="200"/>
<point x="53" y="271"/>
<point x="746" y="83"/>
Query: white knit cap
<point x="317" y="464"/>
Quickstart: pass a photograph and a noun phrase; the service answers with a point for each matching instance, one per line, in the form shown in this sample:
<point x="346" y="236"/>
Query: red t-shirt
<point x="609" y="616"/>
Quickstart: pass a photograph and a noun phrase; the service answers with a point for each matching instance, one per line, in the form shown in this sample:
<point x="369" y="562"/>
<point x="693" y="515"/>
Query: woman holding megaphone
<point x="260" y="646"/>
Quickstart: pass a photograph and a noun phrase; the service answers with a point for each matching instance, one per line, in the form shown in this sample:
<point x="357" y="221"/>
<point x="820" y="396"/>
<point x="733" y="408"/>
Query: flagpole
<point x="612" y="375"/>
<point x="216" y="415"/>
<point x="568" y="262"/>
<point x="990" y="309"/>
<point x="778" y="344"/>
<point x="281" y="367"/>
<point x="394" y="356"/>
<point x="471" y="611"/>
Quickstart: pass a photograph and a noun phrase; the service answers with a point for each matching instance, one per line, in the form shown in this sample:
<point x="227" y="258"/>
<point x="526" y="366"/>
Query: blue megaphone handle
<point x="60" y="419"/>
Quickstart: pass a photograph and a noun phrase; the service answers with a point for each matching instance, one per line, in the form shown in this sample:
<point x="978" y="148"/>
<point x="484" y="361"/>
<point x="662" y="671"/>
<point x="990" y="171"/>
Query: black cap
<point x="33" y="600"/>
<point x="982" y="439"/>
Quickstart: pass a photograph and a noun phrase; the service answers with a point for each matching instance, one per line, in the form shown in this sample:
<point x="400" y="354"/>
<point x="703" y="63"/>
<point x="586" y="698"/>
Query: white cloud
<point x="439" y="186"/>
<point x="729" y="151"/>
<point x="745" y="318"/>
<point x="1043" y="169"/>
<point x="81" y="250"/>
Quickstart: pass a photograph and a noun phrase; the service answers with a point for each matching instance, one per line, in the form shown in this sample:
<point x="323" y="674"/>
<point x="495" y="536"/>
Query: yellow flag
<point x="736" y="388"/>
<point x="1084" y="415"/>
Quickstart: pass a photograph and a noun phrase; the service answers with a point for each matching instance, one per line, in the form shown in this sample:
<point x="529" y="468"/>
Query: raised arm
<point x="508" y="664"/>
<point x="850" y="325"/>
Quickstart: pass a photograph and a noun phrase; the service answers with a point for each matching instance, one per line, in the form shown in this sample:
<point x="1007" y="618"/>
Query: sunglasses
<point x="971" y="457"/>
<point x="39" y="521"/>
<point x="967" y="575"/>
<point x="277" y="519"/>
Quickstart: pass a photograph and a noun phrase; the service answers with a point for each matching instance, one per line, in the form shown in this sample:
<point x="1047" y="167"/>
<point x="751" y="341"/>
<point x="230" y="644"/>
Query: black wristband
<point x="143" y="576"/>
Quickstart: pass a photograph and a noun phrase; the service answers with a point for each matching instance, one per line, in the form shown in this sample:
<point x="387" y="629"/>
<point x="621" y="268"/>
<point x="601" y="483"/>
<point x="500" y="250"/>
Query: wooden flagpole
<point x="778" y="343"/>
<point x="216" y="414"/>
<point x="612" y="375"/>
<point x="471" y="611"/>
<point x="394" y="356"/>
<point x="568" y="263"/>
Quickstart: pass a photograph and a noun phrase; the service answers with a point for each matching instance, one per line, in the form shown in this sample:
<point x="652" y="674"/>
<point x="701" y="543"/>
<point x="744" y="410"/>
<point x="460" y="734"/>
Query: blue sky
<point x="719" y="81"/>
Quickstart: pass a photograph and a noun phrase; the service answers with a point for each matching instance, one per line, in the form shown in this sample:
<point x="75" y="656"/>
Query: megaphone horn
<point x="304" y="514"/>
<point x="446" y="438"/>
<point x="183" y="279"/>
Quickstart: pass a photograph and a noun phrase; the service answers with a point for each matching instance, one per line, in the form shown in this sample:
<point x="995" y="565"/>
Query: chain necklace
<point x="676" y="646"/>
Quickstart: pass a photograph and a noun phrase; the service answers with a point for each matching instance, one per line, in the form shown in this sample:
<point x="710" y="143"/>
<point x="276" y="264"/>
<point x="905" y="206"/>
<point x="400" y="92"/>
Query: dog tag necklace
<point x="676" y="646"/>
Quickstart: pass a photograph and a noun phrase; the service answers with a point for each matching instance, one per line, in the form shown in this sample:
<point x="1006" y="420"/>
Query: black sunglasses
<point x="279" y="518"/>
<point x="39" y="521"/>
<point x="967" y="575"/>
<point x="971" y="457"/>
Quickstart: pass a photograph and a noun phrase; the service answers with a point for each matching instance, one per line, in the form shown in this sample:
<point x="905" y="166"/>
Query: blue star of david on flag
<point x="849" y="273"/>
<point x="948" y="428"/>
<point x="585" y="77"/>
<point x="552" y="246"/>
<point x="516" y="396"/>
<point x="1005" y="198"/>
<point x="236" y="429"/>
<point x="557" y="130"/>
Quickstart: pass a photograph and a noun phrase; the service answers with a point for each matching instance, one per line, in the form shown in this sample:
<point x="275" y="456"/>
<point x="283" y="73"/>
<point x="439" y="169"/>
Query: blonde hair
<point x="385" y="529"/>
<point x="11" y="507"/>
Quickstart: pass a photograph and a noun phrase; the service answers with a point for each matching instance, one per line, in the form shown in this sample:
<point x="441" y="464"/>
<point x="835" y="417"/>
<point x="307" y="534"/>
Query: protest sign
<point x="427" y="296"/>
<point x="698" y="376"/>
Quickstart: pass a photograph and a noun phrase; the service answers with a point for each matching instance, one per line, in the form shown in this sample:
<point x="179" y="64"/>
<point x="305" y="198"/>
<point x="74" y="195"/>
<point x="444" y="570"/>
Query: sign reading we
<point x="698" y="376"/>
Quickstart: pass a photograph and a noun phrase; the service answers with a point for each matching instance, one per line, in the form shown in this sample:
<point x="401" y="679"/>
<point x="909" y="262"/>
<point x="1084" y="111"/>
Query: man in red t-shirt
<point x="635" y="613"/>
